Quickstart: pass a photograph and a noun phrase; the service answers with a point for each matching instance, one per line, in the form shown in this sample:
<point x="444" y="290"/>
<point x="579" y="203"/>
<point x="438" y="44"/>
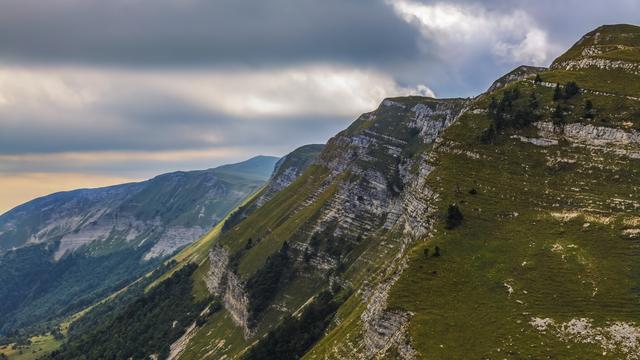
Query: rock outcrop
<point x="520" y="73"/>
<point x="380" y="167"/>
<point x="224" y="283"/>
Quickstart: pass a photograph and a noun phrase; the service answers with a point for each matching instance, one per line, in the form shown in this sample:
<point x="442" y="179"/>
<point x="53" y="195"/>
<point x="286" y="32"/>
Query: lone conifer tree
<point x="588" y="110"/>
<point x="571" y="89"/>
<point x="454" y="217"/>
<point x="558" y="115"/>
<point x="557" y="93"/>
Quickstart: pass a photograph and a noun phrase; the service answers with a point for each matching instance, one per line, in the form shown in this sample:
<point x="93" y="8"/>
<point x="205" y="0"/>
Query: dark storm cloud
<point x="200" y="32"/>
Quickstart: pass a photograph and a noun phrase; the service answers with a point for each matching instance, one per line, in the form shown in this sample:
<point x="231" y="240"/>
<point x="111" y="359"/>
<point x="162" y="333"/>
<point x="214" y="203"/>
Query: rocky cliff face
<point x="224" y="283"/>
<point x="621" y="142"/>
<point x="385" y="188"/>
<point x="365" y="202"/>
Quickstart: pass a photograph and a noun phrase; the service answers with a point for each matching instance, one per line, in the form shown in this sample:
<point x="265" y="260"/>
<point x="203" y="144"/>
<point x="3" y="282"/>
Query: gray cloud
<point x="74" y="109"/>
<point x="200" y="32"/>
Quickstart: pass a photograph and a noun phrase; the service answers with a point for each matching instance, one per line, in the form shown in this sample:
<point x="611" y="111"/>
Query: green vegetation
<point x="535" y="234"/>
<point x="291" y="339"/>
<point x="147" y="326"/>
<point x="38" y="292"/>
<point x="293" y="163"/>
<point x="513" y="111"/>
<point x="618" y="42"/>
<point x="264" y="284"/>
<point x="454" y="217"/>
<point x="37" y="346"/>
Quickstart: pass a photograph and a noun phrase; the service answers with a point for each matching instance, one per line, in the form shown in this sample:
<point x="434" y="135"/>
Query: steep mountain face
<point x="286" y="170"/>
<point x="348" y="216"/>
<point x="504" y="226"/>
<point x="290" y="168"/>
<point x="64" y="251"/>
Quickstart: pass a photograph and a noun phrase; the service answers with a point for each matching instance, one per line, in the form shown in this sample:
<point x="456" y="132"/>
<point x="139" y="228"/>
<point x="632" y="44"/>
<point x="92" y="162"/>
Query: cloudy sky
<point x="98" y="92"/>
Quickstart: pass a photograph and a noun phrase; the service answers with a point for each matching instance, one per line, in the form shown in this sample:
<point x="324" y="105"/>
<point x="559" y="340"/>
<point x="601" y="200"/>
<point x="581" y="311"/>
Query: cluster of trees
<point x="517" y="111"/>
<point x="325" y="240"/>
<point x="36" y="291"/>
<point x="235" y="217"/>
<point x="571" y="89"/>
<point x="264" y="284"/>
<point x="103" y="312"/>
<point x="295" y="336"/>
<point x="337" y="247"/>
<point x="146" y="326"/>
<point x="560" y="97"/>
<point x="512" y="111"/>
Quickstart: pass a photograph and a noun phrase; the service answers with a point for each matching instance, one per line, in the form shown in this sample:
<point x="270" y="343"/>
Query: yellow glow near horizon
<point x="16" y="189"/>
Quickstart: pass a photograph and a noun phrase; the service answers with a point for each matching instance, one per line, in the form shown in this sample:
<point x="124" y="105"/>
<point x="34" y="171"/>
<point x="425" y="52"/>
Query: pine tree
<point x="538" y="79"/>
<point x="534" y="104"/>
<point x="558" y="115"/>
<point x="488" y="135"/>
<point x="571" y="89"/>
<point x="557" y="93"/>
<point x="454" y="217"/>
<point x="588" y="110"/>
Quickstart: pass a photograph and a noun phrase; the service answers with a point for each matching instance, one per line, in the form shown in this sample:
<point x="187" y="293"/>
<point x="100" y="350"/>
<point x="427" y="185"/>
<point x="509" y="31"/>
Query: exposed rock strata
<point x="223" y="282"/>
<point x="598" y="63"/>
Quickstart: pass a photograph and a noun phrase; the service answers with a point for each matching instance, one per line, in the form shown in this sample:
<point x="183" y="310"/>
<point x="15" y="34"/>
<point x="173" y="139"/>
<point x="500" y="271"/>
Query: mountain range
<point x="63" y="251"/>
<point x="504" y="226"/>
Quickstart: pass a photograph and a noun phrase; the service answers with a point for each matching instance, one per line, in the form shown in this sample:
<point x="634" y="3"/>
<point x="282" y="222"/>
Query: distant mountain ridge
<point x="170" y="210"/>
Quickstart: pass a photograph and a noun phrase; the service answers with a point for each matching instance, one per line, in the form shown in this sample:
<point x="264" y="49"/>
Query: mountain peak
<point x="519" y="73"/>
<point x="260" y="166"/>
<point x="605" y="44"/>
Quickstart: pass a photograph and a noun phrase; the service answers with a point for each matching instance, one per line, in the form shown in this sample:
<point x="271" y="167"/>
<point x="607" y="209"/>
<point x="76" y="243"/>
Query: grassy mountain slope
<point x="545" y="262"/>
<point x="286" y="170"/>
